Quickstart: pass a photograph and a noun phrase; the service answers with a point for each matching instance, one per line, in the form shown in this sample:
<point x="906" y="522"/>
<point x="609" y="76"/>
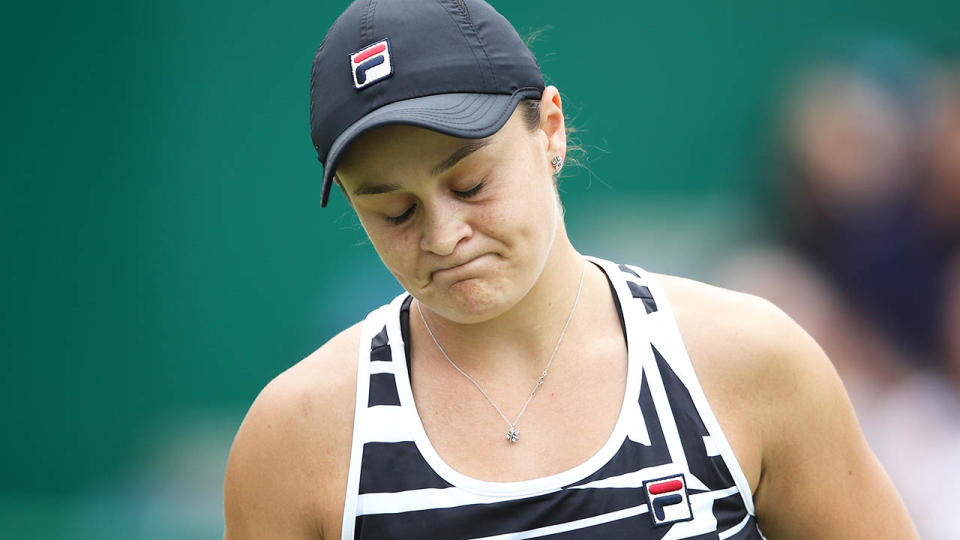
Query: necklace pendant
<point x="513" y="435"/>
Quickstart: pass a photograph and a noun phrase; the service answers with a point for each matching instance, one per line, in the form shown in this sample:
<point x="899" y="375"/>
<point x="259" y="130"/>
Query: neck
<point x="523" y="337"/>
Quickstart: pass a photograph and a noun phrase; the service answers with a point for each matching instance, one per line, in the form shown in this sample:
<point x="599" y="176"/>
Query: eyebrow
<point x="375" y="189"/>
<point x="448" y="163"/>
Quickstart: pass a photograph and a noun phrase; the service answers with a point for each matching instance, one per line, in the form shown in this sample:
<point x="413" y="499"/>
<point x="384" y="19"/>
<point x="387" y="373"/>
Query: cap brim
<point x="468" y="116"/>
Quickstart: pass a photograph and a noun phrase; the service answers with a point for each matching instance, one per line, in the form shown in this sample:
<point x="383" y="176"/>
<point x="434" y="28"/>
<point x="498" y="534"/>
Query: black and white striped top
<point x="666" y="471"/>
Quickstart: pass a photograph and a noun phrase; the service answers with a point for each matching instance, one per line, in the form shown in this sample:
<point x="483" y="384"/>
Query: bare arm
<point x="788" y="418"/>
<point x="819" y="478"/>
<point x="263" y="494"/>
<point x="286" y="473"/>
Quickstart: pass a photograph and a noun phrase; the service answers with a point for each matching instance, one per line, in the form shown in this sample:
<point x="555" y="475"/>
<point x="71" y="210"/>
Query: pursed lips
<point x="457" y="265"/>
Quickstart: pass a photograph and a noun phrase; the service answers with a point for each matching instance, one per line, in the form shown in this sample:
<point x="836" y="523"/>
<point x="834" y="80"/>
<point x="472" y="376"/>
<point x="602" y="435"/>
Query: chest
<point x="570" y="417"/>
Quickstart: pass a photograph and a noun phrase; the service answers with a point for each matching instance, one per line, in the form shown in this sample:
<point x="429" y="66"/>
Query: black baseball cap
<point x="453" y="66"/>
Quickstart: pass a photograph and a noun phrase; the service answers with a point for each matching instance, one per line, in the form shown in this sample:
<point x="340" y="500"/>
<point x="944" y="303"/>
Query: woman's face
<point x="466" y="226"/>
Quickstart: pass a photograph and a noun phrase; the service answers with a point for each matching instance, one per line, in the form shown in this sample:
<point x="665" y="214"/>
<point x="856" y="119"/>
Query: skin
<point x="495" y="276"/>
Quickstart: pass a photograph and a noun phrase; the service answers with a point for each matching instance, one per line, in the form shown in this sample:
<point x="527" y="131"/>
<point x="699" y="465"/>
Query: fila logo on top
<point x="371" y="64"/>
<point x="667" y="500"/>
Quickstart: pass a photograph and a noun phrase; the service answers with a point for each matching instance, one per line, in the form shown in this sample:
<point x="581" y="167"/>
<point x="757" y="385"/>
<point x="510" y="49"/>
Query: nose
<point x="444" y="227"/>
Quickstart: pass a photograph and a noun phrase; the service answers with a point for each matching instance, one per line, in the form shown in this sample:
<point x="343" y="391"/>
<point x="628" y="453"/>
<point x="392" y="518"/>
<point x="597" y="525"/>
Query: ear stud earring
<point x="557" y="162"/>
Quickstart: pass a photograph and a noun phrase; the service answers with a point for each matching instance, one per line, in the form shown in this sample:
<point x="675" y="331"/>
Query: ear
<point x="552" y="124"/>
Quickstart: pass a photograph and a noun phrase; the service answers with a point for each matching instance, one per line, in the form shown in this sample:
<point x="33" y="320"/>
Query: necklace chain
<point x="513" y="435"/>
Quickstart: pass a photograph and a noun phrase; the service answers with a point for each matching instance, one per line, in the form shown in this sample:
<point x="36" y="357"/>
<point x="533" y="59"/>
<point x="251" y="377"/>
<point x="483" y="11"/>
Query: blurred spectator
<point x="950" y="331"/>
<point x="941" y="192"/>
<point x="871" y="200"/>
<point x="915" y="431"/>
<point x="855" y="146"/>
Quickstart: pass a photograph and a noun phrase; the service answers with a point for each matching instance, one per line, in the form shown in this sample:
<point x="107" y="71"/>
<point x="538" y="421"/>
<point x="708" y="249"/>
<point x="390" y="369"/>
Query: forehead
<point x="401" y="149"/>
<point x="391" y="143"/>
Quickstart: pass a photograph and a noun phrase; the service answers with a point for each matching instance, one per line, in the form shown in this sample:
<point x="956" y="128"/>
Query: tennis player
<point x="518" y="388"/>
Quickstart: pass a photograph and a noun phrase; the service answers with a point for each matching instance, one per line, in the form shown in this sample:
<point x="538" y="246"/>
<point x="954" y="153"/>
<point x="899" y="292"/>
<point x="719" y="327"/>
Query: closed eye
<point x="470" y="192"/>
<point x="396" y="220"/>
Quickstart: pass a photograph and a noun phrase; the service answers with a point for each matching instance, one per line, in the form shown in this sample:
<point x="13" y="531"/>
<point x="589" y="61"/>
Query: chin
<point x="472" y="301"/>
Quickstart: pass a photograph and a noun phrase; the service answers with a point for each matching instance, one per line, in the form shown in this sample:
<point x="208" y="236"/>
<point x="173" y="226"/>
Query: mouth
<point x="456" y="266"/>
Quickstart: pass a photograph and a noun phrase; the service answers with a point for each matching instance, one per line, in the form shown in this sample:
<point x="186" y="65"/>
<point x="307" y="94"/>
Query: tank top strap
<point x="674" y="363"/>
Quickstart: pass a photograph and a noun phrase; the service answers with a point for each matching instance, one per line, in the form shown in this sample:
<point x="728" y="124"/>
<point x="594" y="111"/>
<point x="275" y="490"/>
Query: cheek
<point x="394" y="249"/>
<point x="525" y="217"/>
<point x="539" y="204"/>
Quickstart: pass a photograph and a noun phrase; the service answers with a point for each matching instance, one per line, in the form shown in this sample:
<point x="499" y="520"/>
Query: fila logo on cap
<point x="371" y="64"/>
<point x="667" y="500"/>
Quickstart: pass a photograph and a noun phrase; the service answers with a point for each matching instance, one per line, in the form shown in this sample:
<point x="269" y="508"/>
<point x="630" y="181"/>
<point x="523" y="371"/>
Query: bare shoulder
<point x="713" y="315"/>
<point x="741" y="342"/>
<point x="286" y="473"/>
<point x="787" y="415"/>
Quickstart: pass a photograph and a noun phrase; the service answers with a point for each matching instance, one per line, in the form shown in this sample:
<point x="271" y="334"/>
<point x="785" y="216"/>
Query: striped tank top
<point x="666" y="472"/>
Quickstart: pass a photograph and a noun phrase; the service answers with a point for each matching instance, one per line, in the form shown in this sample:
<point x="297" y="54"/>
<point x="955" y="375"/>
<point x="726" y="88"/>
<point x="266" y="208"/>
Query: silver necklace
<point x="513" y="435"/>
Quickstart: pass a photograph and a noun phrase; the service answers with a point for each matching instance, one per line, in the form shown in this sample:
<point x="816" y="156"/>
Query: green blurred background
<point x="164" y="253"/>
